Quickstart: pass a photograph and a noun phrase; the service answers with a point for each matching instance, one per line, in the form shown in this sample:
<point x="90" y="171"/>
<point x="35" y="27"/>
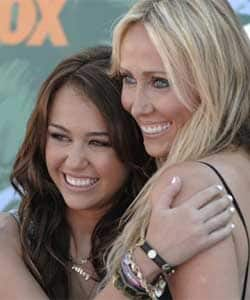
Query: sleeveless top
<point x="167" y="295"/>
<point x="236" y="205"/>
<point x="14" y="214"/>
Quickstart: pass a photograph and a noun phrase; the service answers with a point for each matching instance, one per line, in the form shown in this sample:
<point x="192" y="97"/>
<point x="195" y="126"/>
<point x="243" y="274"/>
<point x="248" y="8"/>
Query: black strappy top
<point x="14" y="214"/>
<point x="243" y="295"/>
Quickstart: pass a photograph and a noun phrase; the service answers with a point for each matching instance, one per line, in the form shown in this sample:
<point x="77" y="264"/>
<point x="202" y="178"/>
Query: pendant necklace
<point x="80" y="268"/>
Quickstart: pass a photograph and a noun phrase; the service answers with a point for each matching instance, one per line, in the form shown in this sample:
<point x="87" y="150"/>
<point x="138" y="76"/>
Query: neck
<point x="160" y="161"/>
<point x="82" y="224"/>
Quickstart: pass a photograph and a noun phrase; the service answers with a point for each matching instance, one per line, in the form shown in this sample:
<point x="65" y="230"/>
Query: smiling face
<point x="79" y="155"/>
<point x="147" y="93"/>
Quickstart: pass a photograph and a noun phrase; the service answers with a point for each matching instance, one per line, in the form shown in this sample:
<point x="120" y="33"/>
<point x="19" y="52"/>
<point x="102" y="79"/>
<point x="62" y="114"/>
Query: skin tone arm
<point x="26" y="286"/>
<point x="179" y="252"/>
<point x="203" y="276"/>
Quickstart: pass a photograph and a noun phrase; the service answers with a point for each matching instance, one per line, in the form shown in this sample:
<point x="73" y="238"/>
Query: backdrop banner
<point x="34" y="36"/>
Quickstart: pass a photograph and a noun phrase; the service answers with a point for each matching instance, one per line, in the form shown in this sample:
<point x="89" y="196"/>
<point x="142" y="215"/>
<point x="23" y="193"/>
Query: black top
<point x="14" y="214"/>
<point x="167" y="295"/>
<point x="243" y="295"/>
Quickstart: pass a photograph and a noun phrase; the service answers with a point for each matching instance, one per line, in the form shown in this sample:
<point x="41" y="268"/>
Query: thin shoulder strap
<point x="15" y="216"/>
<point x="242" y="220"/>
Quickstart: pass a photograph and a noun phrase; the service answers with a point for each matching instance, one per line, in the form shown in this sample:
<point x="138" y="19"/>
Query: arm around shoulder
<point x="213" y="273"/>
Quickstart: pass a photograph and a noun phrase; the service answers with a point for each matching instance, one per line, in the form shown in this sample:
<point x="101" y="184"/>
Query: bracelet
<point x="157" y="259"/>
<point x="155" y="290"/>
<point x="131" y="278"/>
<point x="119" y="282"/>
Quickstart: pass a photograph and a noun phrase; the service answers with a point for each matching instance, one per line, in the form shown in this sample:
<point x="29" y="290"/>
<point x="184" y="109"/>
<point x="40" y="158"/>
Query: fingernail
<point x="232" y="209"/>
<point x="230" y="198"/>
<point x="174" y="179"/>
<point x="232" y="225"/>
<point x="219" y="187"/>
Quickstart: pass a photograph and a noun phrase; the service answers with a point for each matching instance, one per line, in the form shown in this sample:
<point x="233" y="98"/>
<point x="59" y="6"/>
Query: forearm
<point x="203" y="277"/>
<point x="120" y="288"/>
<point x="111" y="293"/>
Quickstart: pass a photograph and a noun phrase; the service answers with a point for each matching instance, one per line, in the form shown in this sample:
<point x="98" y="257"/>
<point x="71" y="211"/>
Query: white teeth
<point x="79" y="182"/>
<point x="153" y="129"/>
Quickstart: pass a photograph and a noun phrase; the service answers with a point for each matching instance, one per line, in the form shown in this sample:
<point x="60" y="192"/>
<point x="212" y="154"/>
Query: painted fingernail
<point x="219" y="187"/>
<point x="229" y="197"/>
<point x="174" y="179"/>
<point x="232" y="209"/>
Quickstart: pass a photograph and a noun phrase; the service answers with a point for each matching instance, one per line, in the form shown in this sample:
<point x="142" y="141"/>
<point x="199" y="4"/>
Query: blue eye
<point x="127" y="79"/>
<point x="160" y="83"/>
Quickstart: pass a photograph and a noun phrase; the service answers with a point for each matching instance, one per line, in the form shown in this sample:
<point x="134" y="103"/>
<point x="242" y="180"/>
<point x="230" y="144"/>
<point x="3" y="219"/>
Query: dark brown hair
<point x="44" y="230"/>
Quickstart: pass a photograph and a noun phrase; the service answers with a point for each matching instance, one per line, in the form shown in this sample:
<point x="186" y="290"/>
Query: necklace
<point x="80" y="268"/>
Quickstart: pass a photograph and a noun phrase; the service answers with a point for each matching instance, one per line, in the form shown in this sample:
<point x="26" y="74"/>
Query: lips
<point x="85" y="182"/>
<point x="155" y="129"/>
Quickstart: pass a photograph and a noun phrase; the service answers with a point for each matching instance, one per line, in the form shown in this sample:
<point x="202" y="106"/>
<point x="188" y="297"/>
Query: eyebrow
<point x="145" y="72"/>
<point x="91" y="133"/>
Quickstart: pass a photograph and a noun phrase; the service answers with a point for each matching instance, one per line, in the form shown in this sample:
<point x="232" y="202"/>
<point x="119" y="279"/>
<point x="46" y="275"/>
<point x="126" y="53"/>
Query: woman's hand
<point x="180" y="233"/>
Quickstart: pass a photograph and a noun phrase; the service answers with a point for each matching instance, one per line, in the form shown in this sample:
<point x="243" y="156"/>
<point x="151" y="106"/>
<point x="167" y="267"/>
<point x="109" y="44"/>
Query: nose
<point x="77" y="158"/>
<point x="142" y="103"/>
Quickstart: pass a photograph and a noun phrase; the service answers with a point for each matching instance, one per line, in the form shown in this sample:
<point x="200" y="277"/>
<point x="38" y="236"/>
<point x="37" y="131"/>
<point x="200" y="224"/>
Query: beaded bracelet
<point x="155" y="290"/>
<point x="157" y="259"/>
<point x="131" y="281"/>
<point x="131" y="293"/>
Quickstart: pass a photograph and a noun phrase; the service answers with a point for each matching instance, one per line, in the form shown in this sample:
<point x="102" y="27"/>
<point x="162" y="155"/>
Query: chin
<point x="157" y="152"/>
<point x="76" y="206"/>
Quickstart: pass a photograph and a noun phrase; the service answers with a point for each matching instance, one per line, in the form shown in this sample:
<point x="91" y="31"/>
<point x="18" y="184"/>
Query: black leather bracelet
<point x="157" y="259"/>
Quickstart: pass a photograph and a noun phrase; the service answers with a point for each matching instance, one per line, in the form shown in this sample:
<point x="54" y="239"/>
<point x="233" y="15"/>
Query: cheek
<point x="52" y="156"/>
<point x="48" y="158"/>
<point x="176" y="111"/>
<point x="126" y="99"/>
<point x="113" y="170"/>
<point x="118" y="176"/>
<point x="184" y="115"/>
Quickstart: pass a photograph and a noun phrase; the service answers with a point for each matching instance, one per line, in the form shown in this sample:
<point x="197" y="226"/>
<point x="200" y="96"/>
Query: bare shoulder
<point x="9" y="232"/>
<point x="199" y="277"/>
<point x="194" y="176"/>
<point x="18" y="281"/>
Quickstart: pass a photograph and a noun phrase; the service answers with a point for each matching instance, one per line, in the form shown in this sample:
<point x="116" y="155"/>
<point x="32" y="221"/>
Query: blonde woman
<point x="185" y="67"/>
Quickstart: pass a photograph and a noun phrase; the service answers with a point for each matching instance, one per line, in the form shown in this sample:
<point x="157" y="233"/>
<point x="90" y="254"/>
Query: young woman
<point x="77" y="174"/>
<point x="185" y="67"/>
<point x="80" y="166"/>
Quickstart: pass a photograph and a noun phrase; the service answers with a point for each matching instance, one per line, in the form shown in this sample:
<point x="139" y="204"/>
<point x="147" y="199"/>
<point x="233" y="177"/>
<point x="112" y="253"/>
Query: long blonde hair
<point x="207" y="56"/>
